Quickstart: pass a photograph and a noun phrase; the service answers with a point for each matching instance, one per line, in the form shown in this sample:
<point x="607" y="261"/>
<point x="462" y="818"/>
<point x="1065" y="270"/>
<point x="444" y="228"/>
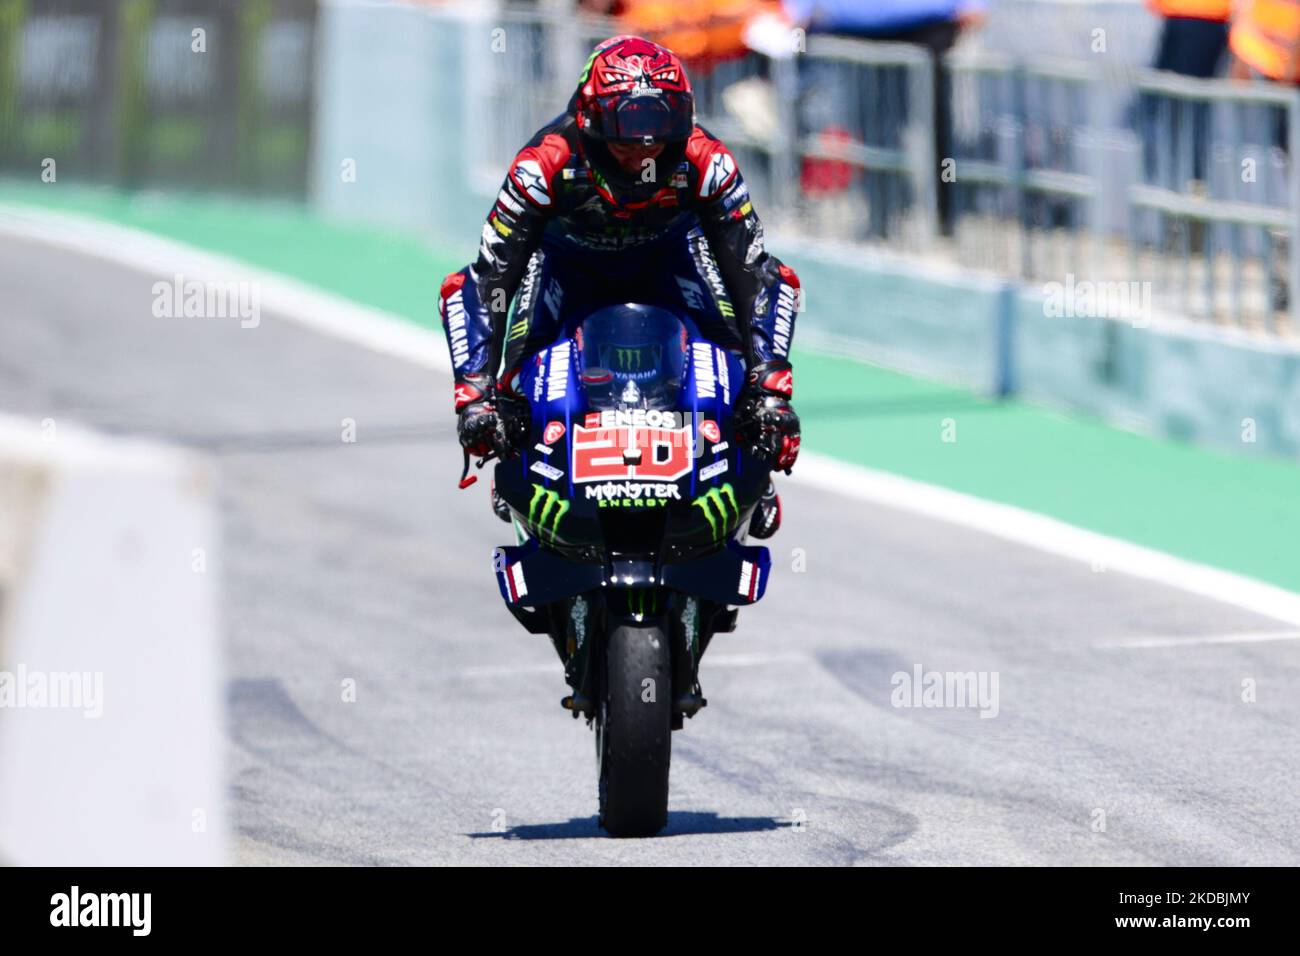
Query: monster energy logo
<point x="721" y="500"/>
<point x="545" y="511"/>
<point x="642" y="601"/>
<point x="586" y="69"/>
<point x="628" y="359"/>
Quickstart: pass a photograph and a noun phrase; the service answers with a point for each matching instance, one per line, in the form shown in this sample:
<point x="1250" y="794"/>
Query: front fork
<point x="588" y="617"/>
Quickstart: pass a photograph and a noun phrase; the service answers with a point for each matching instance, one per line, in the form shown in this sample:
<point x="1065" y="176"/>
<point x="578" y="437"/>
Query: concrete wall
<point x="110" y="676"/>
<point x="1219" y="387"/>
<point x="940" y="324"/>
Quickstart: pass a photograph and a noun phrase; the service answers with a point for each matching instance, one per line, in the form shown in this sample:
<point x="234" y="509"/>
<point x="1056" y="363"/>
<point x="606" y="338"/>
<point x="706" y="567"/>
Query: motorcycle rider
<point x="624" y="198"/>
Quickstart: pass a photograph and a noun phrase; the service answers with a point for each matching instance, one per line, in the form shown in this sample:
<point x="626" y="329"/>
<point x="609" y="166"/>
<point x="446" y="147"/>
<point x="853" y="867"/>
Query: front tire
<point x="634" y="732"/>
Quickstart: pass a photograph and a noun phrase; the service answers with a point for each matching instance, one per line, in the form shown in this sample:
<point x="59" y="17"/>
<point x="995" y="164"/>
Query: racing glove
<point x="480" y="427"/>
<point x="765" y="420"/>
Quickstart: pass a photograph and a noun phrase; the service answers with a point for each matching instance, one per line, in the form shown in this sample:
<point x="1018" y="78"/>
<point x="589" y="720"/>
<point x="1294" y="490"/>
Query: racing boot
<point x="499" y="506"/>
<point x="767" y="514"/>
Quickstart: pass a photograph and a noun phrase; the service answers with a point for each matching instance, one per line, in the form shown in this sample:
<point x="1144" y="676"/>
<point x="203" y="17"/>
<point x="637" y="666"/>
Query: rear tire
<point x="633" y="732"/>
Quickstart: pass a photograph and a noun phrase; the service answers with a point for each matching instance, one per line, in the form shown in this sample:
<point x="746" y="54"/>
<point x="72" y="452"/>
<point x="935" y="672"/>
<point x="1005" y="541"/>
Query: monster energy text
<point x="631" y="494"/>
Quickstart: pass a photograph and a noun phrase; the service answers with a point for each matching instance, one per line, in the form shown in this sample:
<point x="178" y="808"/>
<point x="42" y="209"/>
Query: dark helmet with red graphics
<point x="633" y="92"/>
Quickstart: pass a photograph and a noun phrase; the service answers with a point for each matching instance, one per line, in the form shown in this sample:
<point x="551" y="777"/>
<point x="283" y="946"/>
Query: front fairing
<point x="667" y="481"/>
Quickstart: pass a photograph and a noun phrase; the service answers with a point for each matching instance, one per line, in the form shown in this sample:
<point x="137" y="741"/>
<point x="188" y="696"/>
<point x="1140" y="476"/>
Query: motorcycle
<point x="630" y="501"/>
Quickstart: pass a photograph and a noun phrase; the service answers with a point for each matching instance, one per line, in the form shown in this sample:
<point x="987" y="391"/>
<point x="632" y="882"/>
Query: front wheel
<point x="634" y="732"/>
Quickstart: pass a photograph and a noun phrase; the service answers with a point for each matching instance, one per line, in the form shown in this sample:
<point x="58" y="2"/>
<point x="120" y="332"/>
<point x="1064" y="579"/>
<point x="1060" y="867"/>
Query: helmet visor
<point x="661" y="117"/>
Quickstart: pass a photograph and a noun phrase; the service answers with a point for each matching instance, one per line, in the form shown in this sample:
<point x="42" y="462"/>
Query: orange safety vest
<point x="1266" y="34"/>
<point x="702" y="33"/>
<point x="1218" y="10"/>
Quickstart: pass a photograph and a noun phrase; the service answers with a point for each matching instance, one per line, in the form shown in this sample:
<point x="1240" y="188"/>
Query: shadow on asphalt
<point x="685" y="823"/>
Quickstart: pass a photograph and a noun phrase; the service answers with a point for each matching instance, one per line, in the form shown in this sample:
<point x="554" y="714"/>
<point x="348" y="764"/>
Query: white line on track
<point x="1246" y="637"/>
<point x="288" y="298"/>
<point x="391" y="335"/>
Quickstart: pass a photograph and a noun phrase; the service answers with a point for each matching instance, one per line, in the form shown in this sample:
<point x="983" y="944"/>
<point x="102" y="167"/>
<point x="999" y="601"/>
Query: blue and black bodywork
<point x="631" y="495"/>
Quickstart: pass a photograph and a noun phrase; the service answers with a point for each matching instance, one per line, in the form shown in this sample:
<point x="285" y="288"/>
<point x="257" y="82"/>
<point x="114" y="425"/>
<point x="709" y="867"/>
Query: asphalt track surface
<point x="362" y="561"/>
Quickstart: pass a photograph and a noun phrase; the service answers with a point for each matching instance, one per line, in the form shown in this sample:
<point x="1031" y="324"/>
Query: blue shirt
<point x="874" y="16"/>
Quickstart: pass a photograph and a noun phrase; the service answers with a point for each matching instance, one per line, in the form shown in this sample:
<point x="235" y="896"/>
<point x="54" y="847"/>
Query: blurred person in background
<point x="1265" y="39"/>
<point x="933" y="24"/>
<point x="703" y="33"/>
<point x="1193" y="37"/>
<point x="1193" y="40"/>
<point x="623" y="198"/>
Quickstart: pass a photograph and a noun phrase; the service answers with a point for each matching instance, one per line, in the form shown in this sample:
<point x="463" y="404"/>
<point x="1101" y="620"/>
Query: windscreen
<point x="632" y="357"/>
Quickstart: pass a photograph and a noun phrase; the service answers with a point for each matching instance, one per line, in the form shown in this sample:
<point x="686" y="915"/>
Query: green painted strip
<point x="1231" y="511"/>
<point x="399" y="274"/>
<point x="1240" y="513"/>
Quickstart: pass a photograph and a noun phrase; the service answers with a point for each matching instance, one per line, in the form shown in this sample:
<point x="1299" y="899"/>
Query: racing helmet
<point x="632" y="91"/>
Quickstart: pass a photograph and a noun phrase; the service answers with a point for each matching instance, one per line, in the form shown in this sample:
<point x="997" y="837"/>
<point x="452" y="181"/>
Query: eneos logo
<point x="554" y="432"/>
<point x="710" y="430"/>
<point x="644" y="452"/>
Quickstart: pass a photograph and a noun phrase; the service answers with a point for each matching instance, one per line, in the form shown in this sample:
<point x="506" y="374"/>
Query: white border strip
<point x="1010" y="523"/>
<point x="288" y="298"/>
<point x="383" y="332"/>
<point x="1150" y="643"/>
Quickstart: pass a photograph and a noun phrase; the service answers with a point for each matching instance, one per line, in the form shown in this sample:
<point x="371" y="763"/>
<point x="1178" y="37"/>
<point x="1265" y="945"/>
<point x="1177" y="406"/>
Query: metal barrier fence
<point x="1028" y="168"/>
<point x="1194" y="197"/>
<point x="865" y="143"/>
<point x="1023" y="170"/>
<point x="1216" y="207"/>
<point x="1055" y="168"/>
